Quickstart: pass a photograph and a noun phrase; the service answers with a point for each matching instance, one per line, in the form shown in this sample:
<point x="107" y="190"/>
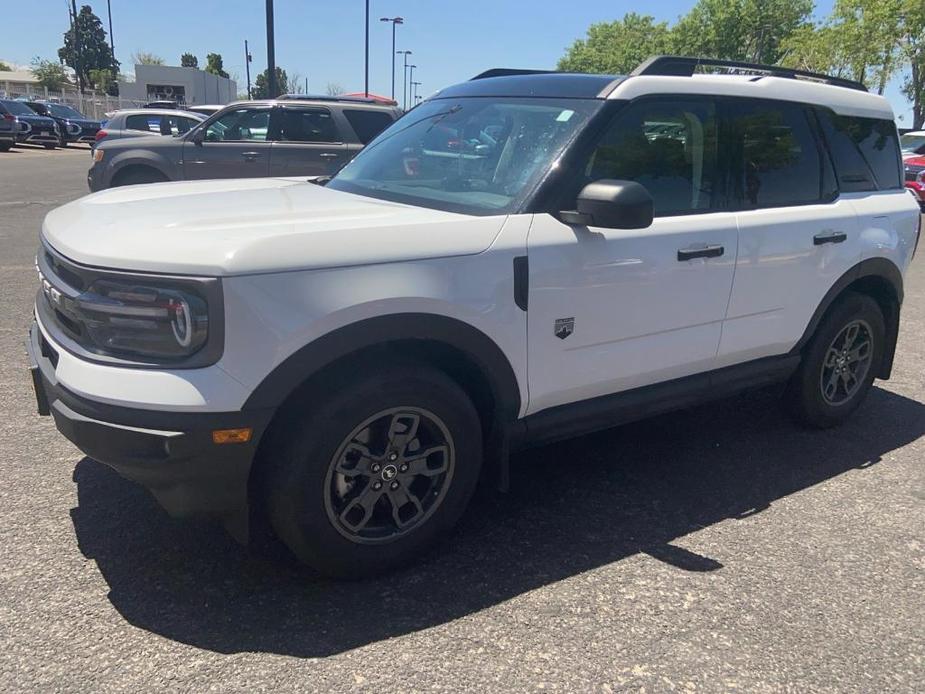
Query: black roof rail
<point x="679" y="66"/>
<point x="324" y="97"/>
<point x="508" y="72"/>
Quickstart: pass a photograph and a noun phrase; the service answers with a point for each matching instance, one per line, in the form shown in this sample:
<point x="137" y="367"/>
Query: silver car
<point x="143" y="122"/>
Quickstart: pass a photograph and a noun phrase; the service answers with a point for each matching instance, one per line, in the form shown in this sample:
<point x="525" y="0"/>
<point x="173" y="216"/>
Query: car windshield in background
<point x="63" y="111"/>
<point x="473" y="155"/>
<point x="17" y="108"/>
<point x="911" y="143"/>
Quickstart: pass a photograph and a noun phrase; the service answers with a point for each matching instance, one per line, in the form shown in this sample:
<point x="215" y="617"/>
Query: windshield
<point x="911" y="143"/>
<point x="474" y="155"/>
<point x="17" y="108"/>
<point x="63" y="111"/>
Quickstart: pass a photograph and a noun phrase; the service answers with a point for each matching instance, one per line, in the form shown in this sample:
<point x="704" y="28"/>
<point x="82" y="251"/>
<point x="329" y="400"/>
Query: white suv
<point x="523" y="257"/>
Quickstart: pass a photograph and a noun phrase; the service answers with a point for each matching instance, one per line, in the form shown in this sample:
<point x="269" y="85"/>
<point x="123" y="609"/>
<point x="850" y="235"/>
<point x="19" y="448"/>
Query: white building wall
<point x="191" y="85"/>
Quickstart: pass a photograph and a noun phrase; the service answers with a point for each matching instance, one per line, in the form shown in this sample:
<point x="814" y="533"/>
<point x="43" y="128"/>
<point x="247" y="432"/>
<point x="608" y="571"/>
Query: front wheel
<point x="369" y="478"/>
<point x="50" y="146"/>
<point x="840" y="363"/>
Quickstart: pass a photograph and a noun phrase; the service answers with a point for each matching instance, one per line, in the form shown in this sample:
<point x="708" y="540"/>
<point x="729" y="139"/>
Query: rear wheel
<point x="369" y="478"/>
<point x="5" y="146"/>
<point x="50" y="146"/>
<point x="840" y="363"/>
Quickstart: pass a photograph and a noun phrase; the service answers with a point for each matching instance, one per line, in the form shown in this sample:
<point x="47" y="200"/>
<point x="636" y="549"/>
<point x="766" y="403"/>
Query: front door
<point x="235" y="145"/>
<point x="308" y="142"/>
<point x="615" y="309"/>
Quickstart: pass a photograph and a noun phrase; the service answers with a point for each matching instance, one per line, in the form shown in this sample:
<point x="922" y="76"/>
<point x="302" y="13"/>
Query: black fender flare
<point x="872" y="267"/>
<point x="141" y="159"/>
<point x="280" y="383"/>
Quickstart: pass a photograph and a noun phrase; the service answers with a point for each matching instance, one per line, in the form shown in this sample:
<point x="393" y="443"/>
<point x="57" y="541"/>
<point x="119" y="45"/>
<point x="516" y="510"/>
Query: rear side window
<point x="143" y="122"/>
<point x="367" y="124"/>
<point x="776" y="156"/>
<point x="865" y="151"/>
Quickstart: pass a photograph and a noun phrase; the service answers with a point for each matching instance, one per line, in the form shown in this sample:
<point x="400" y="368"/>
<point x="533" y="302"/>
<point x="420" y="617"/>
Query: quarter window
<point x="668" y="147"/>
<point x="367" y="124"/>
<point x="776" y="156"/>
<point x="865" y="150"/>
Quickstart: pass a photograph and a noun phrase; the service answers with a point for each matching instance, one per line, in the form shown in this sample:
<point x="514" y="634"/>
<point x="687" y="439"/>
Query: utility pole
<point x="78" y="58"/>
<point x="366" y="79"/>
<point x="247" y="67"/>
<point x="112" y="41"/>
<point x="271" y="53"/>
<point x="395" y="21"/>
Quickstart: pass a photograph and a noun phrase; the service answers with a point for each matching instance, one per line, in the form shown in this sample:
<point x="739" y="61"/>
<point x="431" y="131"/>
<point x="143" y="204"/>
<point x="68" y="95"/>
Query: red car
<point x="914" y="168"/>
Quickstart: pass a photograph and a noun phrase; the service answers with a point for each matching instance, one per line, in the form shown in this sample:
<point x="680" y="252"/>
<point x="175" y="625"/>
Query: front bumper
<point x="170" y="453"/>
<point x="918" y="190"/>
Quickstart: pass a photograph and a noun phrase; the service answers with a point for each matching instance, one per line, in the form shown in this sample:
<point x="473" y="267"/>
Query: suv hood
<point x="247" y="226"/>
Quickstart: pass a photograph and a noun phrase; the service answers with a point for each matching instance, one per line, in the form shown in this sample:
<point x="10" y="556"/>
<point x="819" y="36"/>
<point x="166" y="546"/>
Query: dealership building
<point x="186" y="85"/>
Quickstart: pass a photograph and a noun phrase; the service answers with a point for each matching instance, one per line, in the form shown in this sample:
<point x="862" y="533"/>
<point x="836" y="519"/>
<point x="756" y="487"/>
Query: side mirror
<point x="611" y="204"/>
<point x="198" y="136"/>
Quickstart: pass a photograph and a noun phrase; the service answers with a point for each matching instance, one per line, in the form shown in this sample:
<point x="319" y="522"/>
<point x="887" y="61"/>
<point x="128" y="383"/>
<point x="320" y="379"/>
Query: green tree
<point x="214" y="65"/>
<point x="189" y="60"/>
<point x="49" y="73"/>
<point x="4" y="67"/>
<point x="95" y="53"/>
<point x="748" y="30"/>
<point x="912" y="52"/>
<point x="146" y="58"/>
<point x="261" y="88"/>
<point x="617" y="47"/>
<point x="105" y="81"/>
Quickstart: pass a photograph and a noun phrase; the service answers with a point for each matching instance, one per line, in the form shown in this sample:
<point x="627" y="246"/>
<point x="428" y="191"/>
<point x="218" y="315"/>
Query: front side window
<point x="669" y="147"/>
<point x="307" y="125"/>
<point x="470" y="155"/>
<point x="776" y="156"/>
<point x="240" y="125"/>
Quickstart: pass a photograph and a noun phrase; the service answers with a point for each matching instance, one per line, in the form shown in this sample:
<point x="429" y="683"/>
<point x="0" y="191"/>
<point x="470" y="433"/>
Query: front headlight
<point x="122" y="317"/>
<point x="97" y="154"/>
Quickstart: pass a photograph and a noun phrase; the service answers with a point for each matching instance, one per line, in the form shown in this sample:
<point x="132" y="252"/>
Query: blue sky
<point x="323" y="39"/>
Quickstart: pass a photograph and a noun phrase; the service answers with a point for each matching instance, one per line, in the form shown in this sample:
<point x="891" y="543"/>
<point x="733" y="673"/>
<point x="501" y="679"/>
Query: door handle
<point x="328" y="155"/>
<point x="700" y="252"/>
<point x="829" y="237"/>
<point x="250" y="156"/>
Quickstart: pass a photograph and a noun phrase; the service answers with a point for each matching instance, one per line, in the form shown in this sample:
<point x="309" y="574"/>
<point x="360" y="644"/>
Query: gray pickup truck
<point x="290" y="136"/>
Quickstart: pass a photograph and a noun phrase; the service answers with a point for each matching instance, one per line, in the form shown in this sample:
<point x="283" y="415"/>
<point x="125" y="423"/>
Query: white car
<point x="523" y="257"/>
<point x="912" y="143"/>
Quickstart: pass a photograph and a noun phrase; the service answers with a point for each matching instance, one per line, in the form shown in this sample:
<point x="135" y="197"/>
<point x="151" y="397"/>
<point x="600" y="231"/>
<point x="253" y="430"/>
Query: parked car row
<point x="290" y="136"/>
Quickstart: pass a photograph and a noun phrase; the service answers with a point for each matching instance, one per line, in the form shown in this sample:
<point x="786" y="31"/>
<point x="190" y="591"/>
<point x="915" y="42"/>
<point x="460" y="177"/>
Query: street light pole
<point x="395" y="21"/>
<point x="112" y="41"/>
<point x="415" y="97"/>
<point x="411" y="79"/>
<point x="404" y="80"/>
<point x="247" y="67"/>
<point x="271" y="53"/>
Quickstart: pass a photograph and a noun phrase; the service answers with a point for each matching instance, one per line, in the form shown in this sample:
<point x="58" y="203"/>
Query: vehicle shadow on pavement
<point x="574" y="506"/>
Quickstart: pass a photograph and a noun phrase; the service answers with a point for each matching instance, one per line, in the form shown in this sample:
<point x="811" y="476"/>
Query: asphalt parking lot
<point x="714" y="549"/>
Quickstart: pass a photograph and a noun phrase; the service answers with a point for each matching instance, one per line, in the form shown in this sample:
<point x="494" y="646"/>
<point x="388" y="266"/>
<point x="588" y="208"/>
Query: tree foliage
<point x="95" y="53"/>
<point x="261" y="88"/>
<point x="189" y="60"/>
<point x="748" y="30"/>
<point x="214" y="65"/>
<point x="146" y="58"/>
<point x="617" y="47"/>
<point x="49" y="73"/>
<point x="5" y="67"/>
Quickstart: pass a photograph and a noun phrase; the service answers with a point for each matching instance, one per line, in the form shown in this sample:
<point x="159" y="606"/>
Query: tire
<point x="49" y="146"/>
<point x="811" y="397"/>
<point x="339" y="524"/>
<point x="138" y="176"/>
<point x="62" y="143"/>
<point x="6" y="146"/>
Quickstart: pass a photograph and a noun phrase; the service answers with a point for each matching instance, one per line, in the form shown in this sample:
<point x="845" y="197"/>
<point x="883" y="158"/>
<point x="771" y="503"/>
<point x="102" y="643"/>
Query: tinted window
<point x="668" y="147"/>
<point x="307" y="125"/>
<point x="865" y="150"/>
<point x="367" y="124"/>
<point x="776" y="155"/>
<point x="242" y="124"/>
<point x="143" y="122"/>
<point x="18" y="108"/>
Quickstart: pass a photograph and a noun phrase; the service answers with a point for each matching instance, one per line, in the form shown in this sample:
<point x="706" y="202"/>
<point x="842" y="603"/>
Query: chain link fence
<point x="93" y="104"/>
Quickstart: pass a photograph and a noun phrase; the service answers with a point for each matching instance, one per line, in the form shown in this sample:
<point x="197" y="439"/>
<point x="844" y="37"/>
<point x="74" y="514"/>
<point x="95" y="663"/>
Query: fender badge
<point x="564" y="327"/>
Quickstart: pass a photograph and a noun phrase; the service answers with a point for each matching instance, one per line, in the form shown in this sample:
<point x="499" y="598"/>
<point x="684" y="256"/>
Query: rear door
<point x="235" y="145"/>
<point x="308" y="141"/>
<point x="796" y="235"/>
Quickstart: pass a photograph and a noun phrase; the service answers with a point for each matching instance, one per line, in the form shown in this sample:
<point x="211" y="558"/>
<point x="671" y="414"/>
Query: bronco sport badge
<point x="564" y="327"/>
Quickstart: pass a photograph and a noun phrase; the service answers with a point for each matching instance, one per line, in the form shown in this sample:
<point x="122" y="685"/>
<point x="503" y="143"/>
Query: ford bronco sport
<point x="524" y="257"/>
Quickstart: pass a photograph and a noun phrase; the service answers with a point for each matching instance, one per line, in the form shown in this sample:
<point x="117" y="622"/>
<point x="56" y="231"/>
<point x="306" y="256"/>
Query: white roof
<point x="849" y="102"/>
<point x="18" y="76"/>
